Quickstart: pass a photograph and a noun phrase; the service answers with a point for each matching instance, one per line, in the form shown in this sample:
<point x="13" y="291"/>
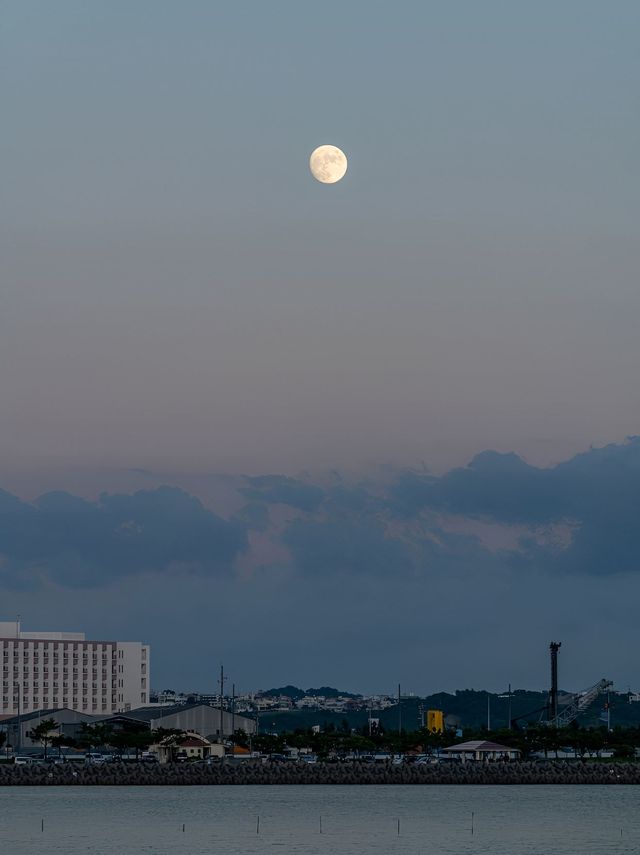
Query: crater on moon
<point x="328" y="164"/>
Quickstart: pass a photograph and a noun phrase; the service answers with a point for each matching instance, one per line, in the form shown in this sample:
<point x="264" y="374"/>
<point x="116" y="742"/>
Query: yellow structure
<point x="435" y="721"/>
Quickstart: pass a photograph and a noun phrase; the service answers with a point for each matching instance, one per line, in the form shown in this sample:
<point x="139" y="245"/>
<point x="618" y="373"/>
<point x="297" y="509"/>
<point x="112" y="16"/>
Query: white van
<point x="23" y="760"/>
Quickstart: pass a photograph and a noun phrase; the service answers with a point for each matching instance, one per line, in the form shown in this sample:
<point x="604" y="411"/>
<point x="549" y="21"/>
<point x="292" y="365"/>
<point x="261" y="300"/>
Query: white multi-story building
<point x="55" y="670"/>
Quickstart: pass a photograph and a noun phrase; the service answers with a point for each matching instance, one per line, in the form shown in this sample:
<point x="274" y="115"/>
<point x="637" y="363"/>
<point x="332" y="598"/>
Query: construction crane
<point x="579" y="704"/>
<point x="556" y="717"/>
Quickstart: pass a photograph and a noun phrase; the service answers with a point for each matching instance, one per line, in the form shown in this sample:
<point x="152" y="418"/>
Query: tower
<point x="553" y="692"/>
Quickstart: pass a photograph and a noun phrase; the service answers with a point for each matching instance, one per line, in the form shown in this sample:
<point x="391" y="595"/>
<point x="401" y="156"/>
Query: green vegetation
<point x="44" y="733"/>
<point x="584" y="743"/>
<point x="135" y="738"/>
<point x="295" y="693"/>
<point x="465" y="708"/>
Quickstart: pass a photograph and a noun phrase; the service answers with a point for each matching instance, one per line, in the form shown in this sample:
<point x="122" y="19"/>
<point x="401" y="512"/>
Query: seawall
<point x="547" y="772"/>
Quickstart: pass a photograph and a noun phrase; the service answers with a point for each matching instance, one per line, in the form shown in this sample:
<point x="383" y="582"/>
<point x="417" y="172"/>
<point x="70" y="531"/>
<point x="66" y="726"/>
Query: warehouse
<point x="195" y="718"/>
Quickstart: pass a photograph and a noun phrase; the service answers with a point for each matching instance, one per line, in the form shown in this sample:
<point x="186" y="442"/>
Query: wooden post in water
<point x="472" y="816"/>
<point x="42" y="825"/>
<point x="183" y="827"/>
<point x="398" y="826"/>
<point x="258" y="825"/>
<point x="321" y="825"/>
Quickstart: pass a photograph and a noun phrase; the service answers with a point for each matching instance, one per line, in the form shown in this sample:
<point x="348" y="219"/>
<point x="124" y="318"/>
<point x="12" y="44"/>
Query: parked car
<point x="23" y="760"/>
<point x="94" y="757"/>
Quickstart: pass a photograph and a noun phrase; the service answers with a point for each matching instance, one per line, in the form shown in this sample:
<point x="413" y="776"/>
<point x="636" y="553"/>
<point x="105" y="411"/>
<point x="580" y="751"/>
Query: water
<point x="549" y="820"/>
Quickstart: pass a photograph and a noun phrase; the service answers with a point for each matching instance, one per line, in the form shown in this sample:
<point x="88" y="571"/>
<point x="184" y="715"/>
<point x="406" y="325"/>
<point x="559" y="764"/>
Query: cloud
<point x="73" y="542"/>
<point x="318" y="573"/>
<point x="497" y="514"/>
<point x="278" y="489"/>
<point x="346" y="547"/>
<point x="596" y="493"/>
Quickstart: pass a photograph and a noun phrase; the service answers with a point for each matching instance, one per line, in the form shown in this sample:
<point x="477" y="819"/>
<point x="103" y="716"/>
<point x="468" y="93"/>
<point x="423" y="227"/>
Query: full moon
<point x="328" y="164"/>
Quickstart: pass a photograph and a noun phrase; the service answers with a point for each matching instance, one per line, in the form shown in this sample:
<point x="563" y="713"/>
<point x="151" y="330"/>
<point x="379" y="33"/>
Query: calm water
<point x="355" y="820"/>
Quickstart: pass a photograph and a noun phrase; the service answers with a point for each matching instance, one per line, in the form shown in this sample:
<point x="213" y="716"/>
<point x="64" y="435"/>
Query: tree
<point x="43" y="733"/>
<point x="93" y="735"/>
<point x="60" y="741"/>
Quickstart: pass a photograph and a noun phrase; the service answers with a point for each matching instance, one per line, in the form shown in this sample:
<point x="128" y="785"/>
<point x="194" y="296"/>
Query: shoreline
<point x="512" y="773"/>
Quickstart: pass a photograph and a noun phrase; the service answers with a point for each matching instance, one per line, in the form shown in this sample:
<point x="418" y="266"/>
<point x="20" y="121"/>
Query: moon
<point x="328" y="164"/>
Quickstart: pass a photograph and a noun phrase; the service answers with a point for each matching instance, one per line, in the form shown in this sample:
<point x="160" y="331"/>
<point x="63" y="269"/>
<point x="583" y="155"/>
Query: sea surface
<point x="345" y="820"/>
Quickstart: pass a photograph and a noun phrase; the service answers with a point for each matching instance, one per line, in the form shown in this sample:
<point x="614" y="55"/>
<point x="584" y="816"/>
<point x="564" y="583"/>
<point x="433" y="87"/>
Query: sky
<point x="183" y="308"/>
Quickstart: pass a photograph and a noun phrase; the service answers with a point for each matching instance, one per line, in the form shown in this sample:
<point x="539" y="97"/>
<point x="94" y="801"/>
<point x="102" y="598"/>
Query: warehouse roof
<point x="479" y="745"/>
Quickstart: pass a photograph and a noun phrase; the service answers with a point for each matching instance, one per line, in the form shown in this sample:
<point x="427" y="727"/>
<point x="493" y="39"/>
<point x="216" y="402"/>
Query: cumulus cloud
<point x="580" y="516"/>
<point x="596" y="493"/>
<point x="278" y="489"/>
<point x="73" y="542"/>
<point x="318" y="572"/>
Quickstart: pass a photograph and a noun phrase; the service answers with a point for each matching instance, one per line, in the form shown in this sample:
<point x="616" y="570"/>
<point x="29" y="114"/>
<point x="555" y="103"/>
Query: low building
<point x="186" y="746"/>
<point x="190" y="718"/>
<point x="480" y="750"/>
<point x="68" y="723"/>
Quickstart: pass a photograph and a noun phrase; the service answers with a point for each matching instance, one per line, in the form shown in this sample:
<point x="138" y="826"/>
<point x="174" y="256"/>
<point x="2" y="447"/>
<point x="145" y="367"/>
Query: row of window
<point x="46" y="660"/>
<point x="47" y="675"/>
<point x="66" y="701"/>
<point x="93" y="646"/>
<point x="56" y="701"/>
<point x="73" y="702"/>
<point x="55" y="685"/>
<point x="75" y="683"/>
<point x="46" y="668"/>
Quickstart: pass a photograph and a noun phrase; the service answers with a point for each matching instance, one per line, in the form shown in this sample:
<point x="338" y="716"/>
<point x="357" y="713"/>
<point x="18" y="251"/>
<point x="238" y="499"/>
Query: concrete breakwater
<point x="546" y="772"/>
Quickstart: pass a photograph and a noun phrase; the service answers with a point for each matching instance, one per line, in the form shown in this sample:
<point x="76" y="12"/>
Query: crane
<point x="579" y="704"/>
<point x="556" y="717"/>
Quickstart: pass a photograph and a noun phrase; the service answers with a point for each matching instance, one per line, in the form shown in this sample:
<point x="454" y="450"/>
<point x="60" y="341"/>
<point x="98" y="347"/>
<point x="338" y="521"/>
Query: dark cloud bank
<point x="581" y="516"/>
<point x="76" y="543"/>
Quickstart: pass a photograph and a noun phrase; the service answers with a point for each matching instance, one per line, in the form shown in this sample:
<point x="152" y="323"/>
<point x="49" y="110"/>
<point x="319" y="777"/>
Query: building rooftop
<point x="56" y="712"/>
<point x="150" y="713"/>
<point x="479" y="745"/>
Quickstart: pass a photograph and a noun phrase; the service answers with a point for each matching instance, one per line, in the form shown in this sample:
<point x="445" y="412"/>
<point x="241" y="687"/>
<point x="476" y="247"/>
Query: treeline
<point x="132" y="740"/>
<point x="340" y="741"/>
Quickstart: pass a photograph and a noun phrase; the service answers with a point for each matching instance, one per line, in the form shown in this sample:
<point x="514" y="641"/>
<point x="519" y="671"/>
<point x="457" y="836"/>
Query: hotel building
<point x="55" y="670"/>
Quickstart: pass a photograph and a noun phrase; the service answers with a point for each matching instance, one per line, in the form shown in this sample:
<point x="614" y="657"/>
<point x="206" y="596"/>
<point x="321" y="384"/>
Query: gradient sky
<point x="177" y="294"/>
<point x="177" y="290"/>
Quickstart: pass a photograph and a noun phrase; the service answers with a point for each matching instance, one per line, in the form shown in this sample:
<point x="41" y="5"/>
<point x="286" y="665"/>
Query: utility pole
<point x="488" y="711"/>
<point x="221" y="705"/>
<point x="509" y="706"/>
<point x="19" y="737"/>
<point x="399" y="712"/>
<point x="233" y="712"/>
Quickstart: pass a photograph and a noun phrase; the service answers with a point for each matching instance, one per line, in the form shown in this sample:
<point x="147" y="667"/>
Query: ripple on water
<point x="508" y="820"/>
